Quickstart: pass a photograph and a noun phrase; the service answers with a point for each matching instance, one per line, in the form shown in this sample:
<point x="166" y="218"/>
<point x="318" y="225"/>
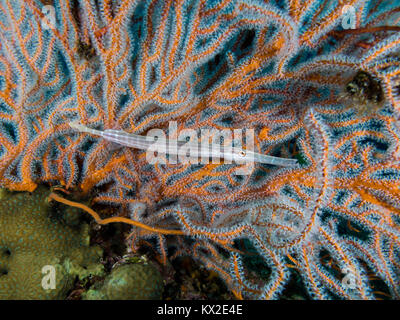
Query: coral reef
<point x="278" y="67"/>
<point x="137" y="280"/>
<point x="31" y="237"/>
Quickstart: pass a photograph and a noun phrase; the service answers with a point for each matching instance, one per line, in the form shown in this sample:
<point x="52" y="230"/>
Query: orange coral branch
<point x="94" y="214"/>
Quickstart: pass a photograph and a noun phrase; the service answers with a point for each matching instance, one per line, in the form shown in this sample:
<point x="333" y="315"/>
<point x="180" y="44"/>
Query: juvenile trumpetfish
<point x="185" y="149"/>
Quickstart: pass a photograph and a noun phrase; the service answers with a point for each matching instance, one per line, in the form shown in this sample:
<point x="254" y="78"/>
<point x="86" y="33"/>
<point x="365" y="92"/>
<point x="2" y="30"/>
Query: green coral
<point x="131" y="281"/>
<point x="32" y="238"/>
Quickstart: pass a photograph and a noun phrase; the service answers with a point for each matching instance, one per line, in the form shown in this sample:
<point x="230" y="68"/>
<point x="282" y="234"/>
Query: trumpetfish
<point x="156" y="143"/>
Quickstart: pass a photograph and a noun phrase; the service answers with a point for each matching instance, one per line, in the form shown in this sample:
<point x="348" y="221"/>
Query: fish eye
<point x="242" y="153"/>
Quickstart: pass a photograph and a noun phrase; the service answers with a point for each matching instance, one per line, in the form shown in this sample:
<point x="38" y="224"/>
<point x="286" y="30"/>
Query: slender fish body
<point x="196" y="150"/>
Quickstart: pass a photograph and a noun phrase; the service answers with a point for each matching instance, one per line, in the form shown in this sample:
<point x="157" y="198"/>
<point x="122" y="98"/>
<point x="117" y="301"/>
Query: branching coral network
<point x="282" y="68"/>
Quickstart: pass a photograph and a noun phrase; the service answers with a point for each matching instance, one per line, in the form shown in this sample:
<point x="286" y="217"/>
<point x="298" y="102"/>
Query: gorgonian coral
<point x="278" y="67"/>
